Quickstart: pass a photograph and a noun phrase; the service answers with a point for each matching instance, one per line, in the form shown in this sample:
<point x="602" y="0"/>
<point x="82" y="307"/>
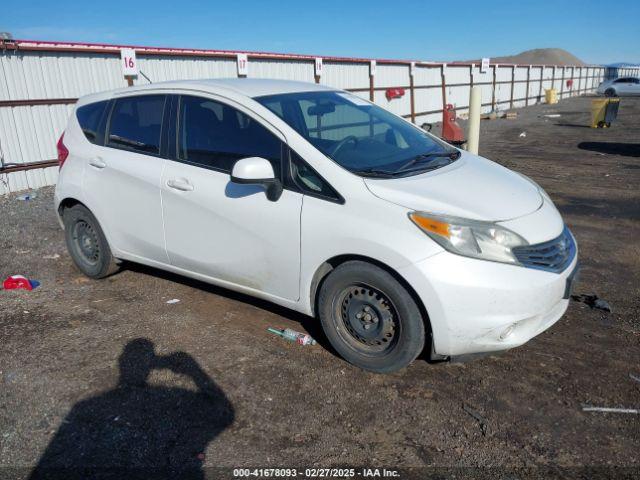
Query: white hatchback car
<point x="320" y="201"/>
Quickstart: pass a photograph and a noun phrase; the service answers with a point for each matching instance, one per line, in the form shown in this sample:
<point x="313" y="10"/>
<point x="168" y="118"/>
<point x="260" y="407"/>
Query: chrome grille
<point x="553" y="256"/>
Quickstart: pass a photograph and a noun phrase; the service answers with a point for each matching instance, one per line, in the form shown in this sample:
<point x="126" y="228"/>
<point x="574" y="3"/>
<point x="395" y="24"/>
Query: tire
<point x="610" y="92"/>
<point x="370" y="318"/>
<point x="87" y="244"/>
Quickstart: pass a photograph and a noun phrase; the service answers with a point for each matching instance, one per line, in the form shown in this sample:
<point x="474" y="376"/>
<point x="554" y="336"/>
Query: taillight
<point x="63" y="152"/>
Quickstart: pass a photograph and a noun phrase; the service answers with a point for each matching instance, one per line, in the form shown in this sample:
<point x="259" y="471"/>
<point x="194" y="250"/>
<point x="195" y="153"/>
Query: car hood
<point x="471" y="187"/>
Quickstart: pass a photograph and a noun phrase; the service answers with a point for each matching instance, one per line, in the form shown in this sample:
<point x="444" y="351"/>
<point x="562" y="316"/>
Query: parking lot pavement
<point x="107" y="371"/>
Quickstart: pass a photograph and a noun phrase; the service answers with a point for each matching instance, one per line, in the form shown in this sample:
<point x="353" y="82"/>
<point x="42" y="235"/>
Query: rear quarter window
<point x="91" y="120"/>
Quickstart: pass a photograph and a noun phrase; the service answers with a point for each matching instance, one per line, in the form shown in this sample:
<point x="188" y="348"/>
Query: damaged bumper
<point x="477" y="306"/>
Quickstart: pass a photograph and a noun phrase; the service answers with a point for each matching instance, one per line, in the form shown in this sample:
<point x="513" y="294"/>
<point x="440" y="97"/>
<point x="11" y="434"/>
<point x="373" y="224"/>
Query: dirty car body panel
<point x="173" y="211"/>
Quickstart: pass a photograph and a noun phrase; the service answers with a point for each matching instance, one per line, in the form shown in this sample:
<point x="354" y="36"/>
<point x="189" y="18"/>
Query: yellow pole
<point x="473" y="132"/>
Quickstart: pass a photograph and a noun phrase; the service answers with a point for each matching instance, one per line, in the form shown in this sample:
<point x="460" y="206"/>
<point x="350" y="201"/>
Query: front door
<point x="223" y="230"/>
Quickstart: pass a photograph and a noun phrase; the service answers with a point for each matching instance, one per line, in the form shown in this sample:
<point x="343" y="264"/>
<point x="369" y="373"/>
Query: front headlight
<point x="471" y="238"/>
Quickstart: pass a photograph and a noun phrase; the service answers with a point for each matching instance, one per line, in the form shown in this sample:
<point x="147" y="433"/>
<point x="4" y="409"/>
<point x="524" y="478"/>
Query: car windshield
<point x="360" y="136"/>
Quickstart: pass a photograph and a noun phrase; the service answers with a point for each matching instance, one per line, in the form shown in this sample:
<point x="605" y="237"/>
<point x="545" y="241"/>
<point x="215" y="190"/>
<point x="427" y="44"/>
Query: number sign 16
<point x="129" y="63"/>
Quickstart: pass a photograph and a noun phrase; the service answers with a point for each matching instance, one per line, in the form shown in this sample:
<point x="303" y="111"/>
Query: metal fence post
<point x="493" y="89"/>
<point x="580" y="81"/>
<point x="513" y="84"/>
<point x="372" y="72"/>
<point x="542" y="69"/>
<point x="412" y="67"/>
<point x="526" y="97"/>
<point x="444" y="85"/>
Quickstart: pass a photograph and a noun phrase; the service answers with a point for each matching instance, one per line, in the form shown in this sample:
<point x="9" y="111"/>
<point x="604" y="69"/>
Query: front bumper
<point x="477" y="306"/>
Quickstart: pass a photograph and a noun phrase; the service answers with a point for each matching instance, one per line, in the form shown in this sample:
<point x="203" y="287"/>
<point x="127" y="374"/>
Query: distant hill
<point x="540" y="56"/>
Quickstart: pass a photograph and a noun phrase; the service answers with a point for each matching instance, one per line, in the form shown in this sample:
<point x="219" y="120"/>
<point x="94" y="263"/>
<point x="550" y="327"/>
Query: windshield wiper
<point x="452" y="155"/>
<point x="373" y="172"/>
<point x="379" y="173"/>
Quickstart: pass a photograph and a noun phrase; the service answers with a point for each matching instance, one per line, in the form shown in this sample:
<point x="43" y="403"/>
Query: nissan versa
<point x="320" y="201"/>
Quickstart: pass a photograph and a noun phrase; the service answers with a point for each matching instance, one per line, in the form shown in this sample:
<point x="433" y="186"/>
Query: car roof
<point x="248" y="87"/>
<point x="258" y="87"/>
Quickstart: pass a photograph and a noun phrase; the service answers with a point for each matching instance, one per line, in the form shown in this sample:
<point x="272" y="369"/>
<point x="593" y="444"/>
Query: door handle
<point x="97" y="163"/>
<point x="180" y="184"/>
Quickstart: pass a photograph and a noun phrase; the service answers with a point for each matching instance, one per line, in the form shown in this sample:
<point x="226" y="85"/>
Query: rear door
<point x="220" y="229"/>
<point x="624" y="86"/>
<point x="122" y="181"/>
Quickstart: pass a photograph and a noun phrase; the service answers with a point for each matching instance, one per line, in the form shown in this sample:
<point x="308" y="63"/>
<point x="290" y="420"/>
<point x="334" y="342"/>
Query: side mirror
<point x="257" y="171"/>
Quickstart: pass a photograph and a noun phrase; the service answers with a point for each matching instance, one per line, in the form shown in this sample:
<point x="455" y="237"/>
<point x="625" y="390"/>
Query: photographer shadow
<point x="138" y="430"/>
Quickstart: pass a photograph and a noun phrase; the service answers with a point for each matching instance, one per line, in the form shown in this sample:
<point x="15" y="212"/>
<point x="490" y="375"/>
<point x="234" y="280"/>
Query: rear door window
<point x="90" y="117"/>
<point x="136" y="123"/>
<point x="215" y="135"/>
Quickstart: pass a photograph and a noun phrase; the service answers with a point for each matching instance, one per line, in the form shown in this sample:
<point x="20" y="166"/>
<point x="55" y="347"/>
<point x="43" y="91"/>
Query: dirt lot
<point x="80" y="382"/>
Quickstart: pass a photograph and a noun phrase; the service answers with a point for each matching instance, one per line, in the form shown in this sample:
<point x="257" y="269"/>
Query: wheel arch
<point x="323" y="271"/>
<point x="69" y="202"/>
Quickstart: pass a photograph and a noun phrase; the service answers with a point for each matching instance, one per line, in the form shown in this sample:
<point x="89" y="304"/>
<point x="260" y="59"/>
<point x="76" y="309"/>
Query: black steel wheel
<point x="370" y="318"/>
<point x="87" y="243"/>
<point x="610" y="92"/>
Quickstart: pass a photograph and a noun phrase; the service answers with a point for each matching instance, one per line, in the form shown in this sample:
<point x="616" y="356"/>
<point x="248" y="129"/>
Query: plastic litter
<point x="523" y="134"/>
<point x="293" y="336"/>
<point x="25" y="197"/>
<point x="14" y="282"/>
<point x="172" y="301"/>
<point x="611" y="410"/>
<point x="55" y="256"/>
<point x="593" y="301"/>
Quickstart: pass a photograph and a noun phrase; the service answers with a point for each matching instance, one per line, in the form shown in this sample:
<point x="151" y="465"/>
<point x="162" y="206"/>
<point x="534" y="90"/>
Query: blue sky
<point x="420" y="30"/>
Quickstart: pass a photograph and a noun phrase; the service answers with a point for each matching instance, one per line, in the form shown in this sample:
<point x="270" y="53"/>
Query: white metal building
<point x="40" y="82"/>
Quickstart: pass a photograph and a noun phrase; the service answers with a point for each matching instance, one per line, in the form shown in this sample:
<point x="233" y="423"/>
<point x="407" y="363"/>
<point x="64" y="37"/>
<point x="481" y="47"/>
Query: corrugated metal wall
<point x="41" y="81"/>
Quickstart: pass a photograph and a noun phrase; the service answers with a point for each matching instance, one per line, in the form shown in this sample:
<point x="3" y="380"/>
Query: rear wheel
<point x="610" y="92"/>
<point x="370" y="318"/>
<point x="87" y="244"/>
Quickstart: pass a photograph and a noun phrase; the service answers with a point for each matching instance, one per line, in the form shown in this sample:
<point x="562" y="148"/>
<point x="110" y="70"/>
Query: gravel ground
<point x="107" y="373"/>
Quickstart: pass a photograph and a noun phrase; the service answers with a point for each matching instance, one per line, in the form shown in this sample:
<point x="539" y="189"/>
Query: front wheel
<point x="610" y="92"/>
<point x="370" y="318"/>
